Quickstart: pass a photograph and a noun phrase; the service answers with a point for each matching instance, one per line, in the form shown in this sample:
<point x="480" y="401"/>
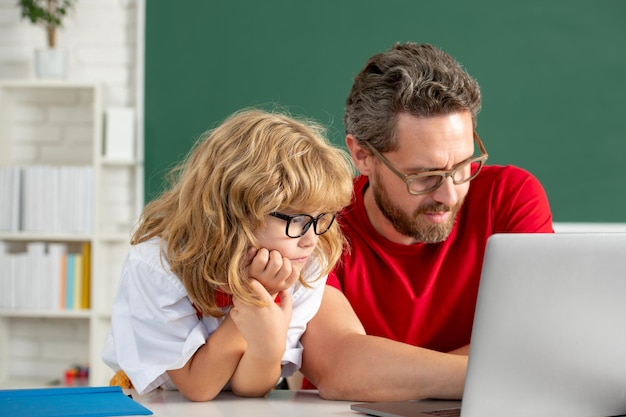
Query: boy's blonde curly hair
<point x="254" y="163"/>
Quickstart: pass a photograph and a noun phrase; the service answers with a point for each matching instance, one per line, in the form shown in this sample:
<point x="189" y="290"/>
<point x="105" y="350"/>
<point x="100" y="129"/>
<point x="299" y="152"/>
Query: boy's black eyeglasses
<point x="299" y="224"/>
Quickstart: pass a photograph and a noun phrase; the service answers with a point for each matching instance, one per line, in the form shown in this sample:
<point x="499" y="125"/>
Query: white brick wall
<point x="44" y="348"/>
<point x="51" y="126"/>
<point x="99" y="35"/>
<point x="101" y="38"/>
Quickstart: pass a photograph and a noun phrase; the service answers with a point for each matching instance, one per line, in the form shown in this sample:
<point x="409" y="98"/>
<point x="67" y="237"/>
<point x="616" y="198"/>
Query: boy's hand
<point x="272" y="270"/>
<point x="263" y="328"/>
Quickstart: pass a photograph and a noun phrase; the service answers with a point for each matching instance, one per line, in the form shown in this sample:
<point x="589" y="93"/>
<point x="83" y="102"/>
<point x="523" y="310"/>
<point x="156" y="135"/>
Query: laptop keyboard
<point x="448" y="412"/>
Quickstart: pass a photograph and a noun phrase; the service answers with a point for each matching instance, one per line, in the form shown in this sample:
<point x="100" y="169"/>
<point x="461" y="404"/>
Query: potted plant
<point x="50" y="62"/>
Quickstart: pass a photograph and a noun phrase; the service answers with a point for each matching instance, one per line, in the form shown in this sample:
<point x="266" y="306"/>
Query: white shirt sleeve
<point x="154" y="326"/>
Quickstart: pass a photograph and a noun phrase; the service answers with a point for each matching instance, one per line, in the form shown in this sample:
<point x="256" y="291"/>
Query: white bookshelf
<point x="60" y="123"/>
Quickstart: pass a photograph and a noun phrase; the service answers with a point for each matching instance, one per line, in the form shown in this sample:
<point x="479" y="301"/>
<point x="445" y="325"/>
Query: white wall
<point x="100" y="36"/>
<point x="589" y="227"/>
<point x="104" y="39"/>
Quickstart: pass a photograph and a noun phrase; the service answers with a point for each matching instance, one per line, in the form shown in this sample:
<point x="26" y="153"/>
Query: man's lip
<point x="438" y="217"/>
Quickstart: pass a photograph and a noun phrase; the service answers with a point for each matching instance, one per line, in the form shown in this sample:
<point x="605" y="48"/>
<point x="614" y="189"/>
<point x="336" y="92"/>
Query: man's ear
<point x="360" y="155"/>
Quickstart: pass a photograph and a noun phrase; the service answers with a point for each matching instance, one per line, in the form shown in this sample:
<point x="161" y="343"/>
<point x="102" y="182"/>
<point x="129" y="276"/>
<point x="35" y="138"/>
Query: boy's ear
<point x="360" y="156"/>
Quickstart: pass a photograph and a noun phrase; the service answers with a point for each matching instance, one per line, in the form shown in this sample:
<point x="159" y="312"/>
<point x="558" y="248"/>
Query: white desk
<point x="278" y="403"/>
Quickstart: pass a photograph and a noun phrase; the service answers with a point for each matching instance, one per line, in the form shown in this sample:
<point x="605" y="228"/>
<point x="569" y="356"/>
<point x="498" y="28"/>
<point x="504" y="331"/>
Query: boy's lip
<point x="301" y="259"/>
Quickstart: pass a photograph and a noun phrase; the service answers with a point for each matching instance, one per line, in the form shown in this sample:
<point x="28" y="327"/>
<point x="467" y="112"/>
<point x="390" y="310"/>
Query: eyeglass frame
<point x="409" y="178"/>
<point x="289" y="217"/>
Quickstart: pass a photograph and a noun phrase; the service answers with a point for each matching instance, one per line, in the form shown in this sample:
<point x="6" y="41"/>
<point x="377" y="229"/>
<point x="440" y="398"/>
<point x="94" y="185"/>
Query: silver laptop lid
<point x="549" y="336"/>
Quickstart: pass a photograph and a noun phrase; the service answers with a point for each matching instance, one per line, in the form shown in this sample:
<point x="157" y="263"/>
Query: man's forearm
<point x="346" y="364"/>
<point x="368" y="368"/>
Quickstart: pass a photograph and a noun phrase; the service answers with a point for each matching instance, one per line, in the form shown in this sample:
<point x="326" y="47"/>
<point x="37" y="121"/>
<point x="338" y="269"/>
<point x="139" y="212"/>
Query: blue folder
<point x="69" y="402"/>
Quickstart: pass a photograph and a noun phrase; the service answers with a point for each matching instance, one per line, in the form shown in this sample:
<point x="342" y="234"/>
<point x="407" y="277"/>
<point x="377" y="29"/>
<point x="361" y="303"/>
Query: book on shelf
<point x="58" y="269"/>
<point x="10" y="188"/>
<point x="86" y="277"/>
<point x="119" y="133"/>
<point x="69" y="281"/>
<point x="36" y="277"/>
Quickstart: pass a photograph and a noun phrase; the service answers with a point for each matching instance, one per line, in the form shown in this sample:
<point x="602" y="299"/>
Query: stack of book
<point x="47" y="276"/>
<point x="46" y="199"/>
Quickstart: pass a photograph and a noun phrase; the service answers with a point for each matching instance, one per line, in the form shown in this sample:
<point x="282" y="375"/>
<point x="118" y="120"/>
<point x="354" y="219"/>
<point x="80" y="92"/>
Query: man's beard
<point x="415" y="225"/>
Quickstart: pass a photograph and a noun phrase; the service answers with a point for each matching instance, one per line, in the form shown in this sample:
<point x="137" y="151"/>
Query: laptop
<point x="549" y="333"/>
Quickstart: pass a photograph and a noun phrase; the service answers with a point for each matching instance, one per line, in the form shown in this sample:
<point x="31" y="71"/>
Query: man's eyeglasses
<point x="299" y="224"/>
<point x="429" y="181"/>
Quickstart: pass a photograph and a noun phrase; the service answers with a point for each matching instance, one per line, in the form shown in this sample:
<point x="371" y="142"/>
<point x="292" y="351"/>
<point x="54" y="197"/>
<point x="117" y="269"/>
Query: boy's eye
<point x="300" y="220"/>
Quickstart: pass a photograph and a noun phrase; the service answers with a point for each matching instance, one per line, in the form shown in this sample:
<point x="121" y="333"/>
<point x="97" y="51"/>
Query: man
<point x="397" y="313"/>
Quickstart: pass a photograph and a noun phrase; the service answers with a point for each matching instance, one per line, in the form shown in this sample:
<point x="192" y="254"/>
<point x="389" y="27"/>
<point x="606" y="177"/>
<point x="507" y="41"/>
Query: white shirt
<point x="155" y="327"/>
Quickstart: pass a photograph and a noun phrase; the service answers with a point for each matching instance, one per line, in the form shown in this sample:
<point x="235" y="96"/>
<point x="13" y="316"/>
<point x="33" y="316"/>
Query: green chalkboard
<point x="553" y="76"/>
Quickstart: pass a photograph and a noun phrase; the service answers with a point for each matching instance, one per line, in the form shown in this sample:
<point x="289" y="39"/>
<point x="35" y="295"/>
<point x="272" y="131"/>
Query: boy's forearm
<point x="255" y="375"/>
<point x="212" y="366"/>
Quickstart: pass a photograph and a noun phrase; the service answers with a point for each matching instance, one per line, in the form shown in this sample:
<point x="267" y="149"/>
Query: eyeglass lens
<point x="299" y="225"/>
<point x="423" y="183"/>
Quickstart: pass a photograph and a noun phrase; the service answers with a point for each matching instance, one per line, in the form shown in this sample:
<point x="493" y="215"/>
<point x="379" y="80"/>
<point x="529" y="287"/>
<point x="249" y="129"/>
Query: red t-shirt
<point x="425" y="294"/>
